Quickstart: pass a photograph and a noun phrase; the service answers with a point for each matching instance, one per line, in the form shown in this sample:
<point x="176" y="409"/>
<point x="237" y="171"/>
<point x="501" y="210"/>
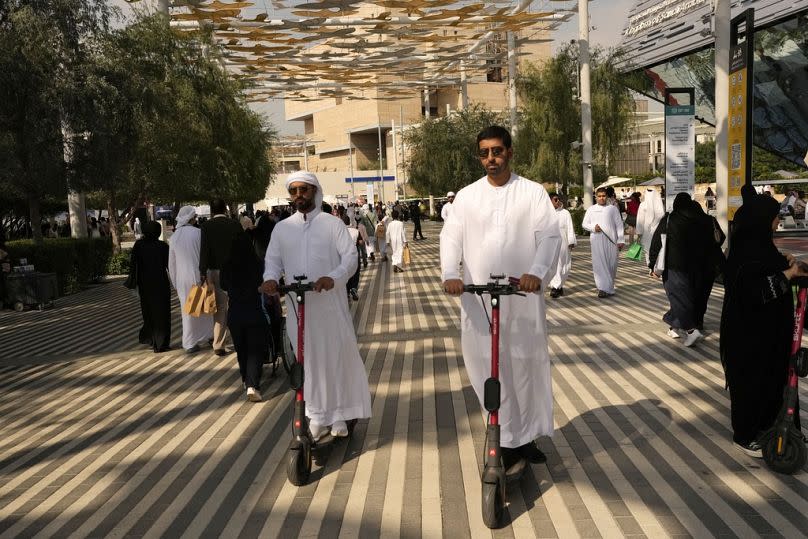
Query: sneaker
<point x="192" y="350"/>
<point x="317" y="431"/>
<point x="554" y="293"/>
<point x="339" y="429"/>
<point x="560" y="292"/>
<point x="602" y="294"/>
<point x="751" y="449"/>
<point x="531" y="453"/>
<point x="693" y="336"/>
<point x="673" y="334"/>
<point x="372" y="257"/>
<point x="354" y="295"/>
<point x="221" y="352"/>
<point x="253" y="395"/>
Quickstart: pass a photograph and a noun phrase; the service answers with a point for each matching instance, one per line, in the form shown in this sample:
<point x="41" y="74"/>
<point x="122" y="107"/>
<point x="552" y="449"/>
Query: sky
<point x="607" y="19"/>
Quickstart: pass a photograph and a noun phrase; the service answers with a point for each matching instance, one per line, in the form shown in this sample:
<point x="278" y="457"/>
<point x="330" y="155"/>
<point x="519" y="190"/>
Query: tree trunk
<point x="114" y="231"/>
<point x="36" y="219"/>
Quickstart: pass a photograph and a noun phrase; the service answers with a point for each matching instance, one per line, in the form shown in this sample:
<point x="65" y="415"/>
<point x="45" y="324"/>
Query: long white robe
<point x="336" y="384"/>
<point x="183" y="267"/>
<point x="381" y="241"/>
<point x="649" y="214"/>
<point x="567" y="231"/>
<point x="604" y="244"/>
<point x="508" y="230"/>
<point x="396" y="237"/>
<point x="446" y="211"/>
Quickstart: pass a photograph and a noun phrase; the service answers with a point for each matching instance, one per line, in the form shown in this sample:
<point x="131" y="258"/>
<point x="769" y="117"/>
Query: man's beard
<point x="304" y="204"/>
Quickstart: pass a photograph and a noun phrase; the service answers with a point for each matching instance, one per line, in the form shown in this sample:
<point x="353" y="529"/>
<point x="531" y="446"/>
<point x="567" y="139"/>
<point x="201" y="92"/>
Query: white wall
<point x="334" y="184"/>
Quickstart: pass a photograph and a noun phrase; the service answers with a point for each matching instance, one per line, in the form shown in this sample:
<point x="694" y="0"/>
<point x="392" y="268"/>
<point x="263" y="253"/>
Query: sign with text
<point x="370" y="192"/>
<point x="680" y="152"/>
<point x="736" y="142"/>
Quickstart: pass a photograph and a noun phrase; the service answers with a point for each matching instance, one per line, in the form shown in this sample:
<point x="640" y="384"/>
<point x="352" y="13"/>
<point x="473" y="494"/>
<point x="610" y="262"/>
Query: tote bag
<point x="407" y="257"/>
<point x="194" y="302"/>
<point x="659" y="265"/>
<point x="635" y="251"/>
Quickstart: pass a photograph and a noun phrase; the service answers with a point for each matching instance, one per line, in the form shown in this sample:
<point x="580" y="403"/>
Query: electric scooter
<point x="783" y="446"/>
<point x="298" y="468"/>
<point x="494" y="474"/>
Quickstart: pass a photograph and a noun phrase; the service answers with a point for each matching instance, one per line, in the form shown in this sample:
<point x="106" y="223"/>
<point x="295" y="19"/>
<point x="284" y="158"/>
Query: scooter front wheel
<point x="493" y="505"/>
<point x="298" y="467"/>
<point x="793" y="454"/>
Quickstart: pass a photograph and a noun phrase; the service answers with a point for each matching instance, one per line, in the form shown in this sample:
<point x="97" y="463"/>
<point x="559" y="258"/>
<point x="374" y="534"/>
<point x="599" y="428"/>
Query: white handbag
<point x="659" y="265"/>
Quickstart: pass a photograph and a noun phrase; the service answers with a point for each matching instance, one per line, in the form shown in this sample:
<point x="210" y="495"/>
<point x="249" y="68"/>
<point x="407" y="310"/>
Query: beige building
<point x="348" y="138"/>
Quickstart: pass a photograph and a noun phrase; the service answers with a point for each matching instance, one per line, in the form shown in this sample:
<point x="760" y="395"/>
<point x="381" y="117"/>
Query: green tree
<point x="443" y="153"/>
<point x="40" y="43"/>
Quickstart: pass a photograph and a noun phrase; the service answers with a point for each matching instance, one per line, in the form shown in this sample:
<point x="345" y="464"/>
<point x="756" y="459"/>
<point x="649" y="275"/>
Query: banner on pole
<point x="680" y="152"/>
<point x="736" y="142"/>
<point x="370" y="193"/>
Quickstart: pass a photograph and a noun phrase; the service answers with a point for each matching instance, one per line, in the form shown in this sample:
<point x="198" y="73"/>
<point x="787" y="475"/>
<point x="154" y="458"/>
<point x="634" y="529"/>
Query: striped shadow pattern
<point x="103" y="438"/>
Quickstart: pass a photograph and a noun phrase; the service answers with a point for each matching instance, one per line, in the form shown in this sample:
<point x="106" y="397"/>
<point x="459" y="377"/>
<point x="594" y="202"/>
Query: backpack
<point x="381" y="231"/>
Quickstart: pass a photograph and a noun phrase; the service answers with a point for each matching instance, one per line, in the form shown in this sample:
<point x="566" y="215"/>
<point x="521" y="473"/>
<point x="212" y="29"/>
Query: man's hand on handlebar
<point x="529" y="283"/>
<point x="270" y="288"/>
<point x="453" y="287"/>
<point x="796" y="269"/>
<point x="323" y="284"/>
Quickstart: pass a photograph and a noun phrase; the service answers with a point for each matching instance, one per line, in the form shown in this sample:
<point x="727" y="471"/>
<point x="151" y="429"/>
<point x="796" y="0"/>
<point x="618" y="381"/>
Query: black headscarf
<point x="151" y="230"/>
<point x="752" y="239"/>
<point x="681" y="201"/>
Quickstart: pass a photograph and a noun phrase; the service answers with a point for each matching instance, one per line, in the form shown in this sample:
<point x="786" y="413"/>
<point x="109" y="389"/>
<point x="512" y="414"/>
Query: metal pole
<point x="350" y="165"/>
<point x="426" y="102"/>
<point x="305" y="154"/>
<point x="722" y="17"/>
<point x="395" y="157"/>
<point x="403" y="168"/>
<point x="464" y="87"/>
<point x="512" y="81"/>
<point x="586" y="107"/>
<point x="162" y="6"/>
<point x="381" y="159"/>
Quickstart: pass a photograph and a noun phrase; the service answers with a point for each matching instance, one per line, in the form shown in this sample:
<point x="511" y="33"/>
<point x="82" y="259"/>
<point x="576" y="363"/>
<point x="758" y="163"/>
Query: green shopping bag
<point x="635" y="251"/>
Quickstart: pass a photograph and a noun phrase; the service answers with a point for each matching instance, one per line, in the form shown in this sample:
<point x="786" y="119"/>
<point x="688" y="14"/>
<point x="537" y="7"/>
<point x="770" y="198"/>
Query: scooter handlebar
<point x="494" y="288"/>
<point x="298" y="287"/>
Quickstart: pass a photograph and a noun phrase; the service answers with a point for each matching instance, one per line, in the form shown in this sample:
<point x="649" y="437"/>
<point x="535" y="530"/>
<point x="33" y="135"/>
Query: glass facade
<point x="781" y="86"/>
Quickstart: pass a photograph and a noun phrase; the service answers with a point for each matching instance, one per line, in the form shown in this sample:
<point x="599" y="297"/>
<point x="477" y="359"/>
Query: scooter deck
<point x="327" y="440"/>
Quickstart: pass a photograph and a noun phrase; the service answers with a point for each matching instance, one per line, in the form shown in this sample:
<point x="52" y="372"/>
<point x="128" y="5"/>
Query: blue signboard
<point x="367" y="179"/>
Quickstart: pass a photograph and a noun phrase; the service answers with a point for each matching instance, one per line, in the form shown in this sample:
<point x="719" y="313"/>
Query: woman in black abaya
<point x="150" y="265"/>
<point x="756" y="321"/>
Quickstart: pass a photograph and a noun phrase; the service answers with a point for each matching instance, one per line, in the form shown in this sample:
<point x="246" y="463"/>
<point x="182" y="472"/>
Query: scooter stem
<point x="495" y="349"/>
<point x="301" y="334"/>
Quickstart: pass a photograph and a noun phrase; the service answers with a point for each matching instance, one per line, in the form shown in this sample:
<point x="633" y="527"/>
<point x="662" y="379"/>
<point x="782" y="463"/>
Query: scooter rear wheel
<point x="298" y="467"/>
<point x="492" y="505"/>
<point x="794" y="453"/>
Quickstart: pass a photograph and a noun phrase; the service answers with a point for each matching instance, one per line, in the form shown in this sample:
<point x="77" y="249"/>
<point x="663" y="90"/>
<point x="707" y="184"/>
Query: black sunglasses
<point x="302" y="189"/>
<point x="496" y="151"/>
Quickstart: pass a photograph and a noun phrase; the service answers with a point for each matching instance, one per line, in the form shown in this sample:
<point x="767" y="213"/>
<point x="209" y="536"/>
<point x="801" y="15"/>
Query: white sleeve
<point x="172" y="266"/>
<point x="547" y="236"/>
<point x="273" y="263"/>
<point x="587" y="223"/>
<point x="619" y="228"/>
<point x="451" y="244"/>
<point x="571" y="240"/>
<point x="348" y="257"/>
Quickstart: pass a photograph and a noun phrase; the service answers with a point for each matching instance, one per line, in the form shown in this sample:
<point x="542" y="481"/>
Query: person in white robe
<point x="446" y="210"/>
<point x="607" y="239"/>
<point x="369" y="220"/>
<point x="397" y="238"/>
<point x="319" y="246"/>
<point x="183" y="268"/>
<point x="382" y="222"/>
<point x="505" y="224"/>
<point x="567" y="231"/>
<point x="650" y="212"/>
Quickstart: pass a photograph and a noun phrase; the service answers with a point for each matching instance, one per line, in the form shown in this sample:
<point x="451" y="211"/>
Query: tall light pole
<point x="512" y="81"/>
<point x="722" y="20"/>
<point x="586" y="100"/>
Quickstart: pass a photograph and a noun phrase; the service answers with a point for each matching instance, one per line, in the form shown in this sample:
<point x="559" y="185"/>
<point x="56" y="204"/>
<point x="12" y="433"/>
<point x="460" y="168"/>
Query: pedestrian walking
<point x="397" y="239"/>
<point x="632" y="208"/>
<point x="183" y="268"/>
<point x="688" y="246"/>
<point x="415" y="215"/>
<point x="218" y="234"/>
<point x="353" y="283"/>
<point x="149" y="265"/>
<point x="317" y="245"/>
<point x="649" y="214"/>
<point x="382" y="222"/>
<point x="757" y="320"/>
<point x="446" y="209"/>
<point x="369" y="222"/>
<point x="505" y="224"/>
<point x="607" y="239"/>
<point x="567" y="231"/>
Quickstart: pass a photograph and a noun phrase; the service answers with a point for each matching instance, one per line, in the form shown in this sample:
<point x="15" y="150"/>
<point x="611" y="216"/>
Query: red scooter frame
<point x="783" y="446"/>
<point x="493" y="477"/>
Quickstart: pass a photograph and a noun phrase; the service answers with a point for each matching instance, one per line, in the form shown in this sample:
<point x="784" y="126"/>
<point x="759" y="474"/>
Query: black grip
<point x="491" y="394"/>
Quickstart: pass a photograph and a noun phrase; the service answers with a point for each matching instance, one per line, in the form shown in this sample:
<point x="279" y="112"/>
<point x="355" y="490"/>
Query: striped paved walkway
<point x="99" y="437"/>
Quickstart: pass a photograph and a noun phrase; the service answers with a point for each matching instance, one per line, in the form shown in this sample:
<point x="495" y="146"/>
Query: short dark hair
<point x="495" y="131"/>
<point x="217" y="206"/>
<point x="396" y="214"/>
<point x="601" y="190"/>
<point x="554" y="195"/>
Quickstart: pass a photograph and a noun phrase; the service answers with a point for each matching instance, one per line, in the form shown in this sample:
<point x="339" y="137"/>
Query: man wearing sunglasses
<point x="318" y="245"/>
<point x="505" y="224"/>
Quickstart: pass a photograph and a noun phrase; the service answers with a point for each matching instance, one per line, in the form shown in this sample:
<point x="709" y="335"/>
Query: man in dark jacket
<point x="415" y="213"/>
<point x="218" y="235"/>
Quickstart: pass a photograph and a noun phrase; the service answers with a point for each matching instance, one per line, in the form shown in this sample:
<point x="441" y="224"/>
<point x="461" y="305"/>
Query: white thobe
<point x="604" y="244"/>
<point x="336" y="385"/>
<point x="446" y="210"/>
<point x="649" y="214"/>
<point x="567" y="231"/>
<point x="396" y="237"/>
<point x="370" y="227"/>
<point x="508" y="230"/>
<point x="183" y="267"/>
<point x="381" y="241"/>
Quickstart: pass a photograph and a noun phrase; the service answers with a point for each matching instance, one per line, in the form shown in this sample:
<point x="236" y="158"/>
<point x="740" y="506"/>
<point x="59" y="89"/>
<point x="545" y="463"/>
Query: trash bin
<point x="30" y="289"/>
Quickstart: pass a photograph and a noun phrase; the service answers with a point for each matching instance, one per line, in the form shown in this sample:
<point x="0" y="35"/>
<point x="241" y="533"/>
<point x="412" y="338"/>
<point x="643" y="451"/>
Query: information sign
<point x="680" y="152"/>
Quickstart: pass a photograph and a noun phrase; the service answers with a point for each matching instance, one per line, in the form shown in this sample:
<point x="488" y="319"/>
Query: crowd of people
<point x="500" y="224"/>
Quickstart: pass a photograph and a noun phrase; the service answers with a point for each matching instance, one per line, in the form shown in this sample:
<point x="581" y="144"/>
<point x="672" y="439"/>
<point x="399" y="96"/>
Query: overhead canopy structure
<point x="365" y="50"/>
<point x="615" y="180"/>
<point x="658" y="180"/>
